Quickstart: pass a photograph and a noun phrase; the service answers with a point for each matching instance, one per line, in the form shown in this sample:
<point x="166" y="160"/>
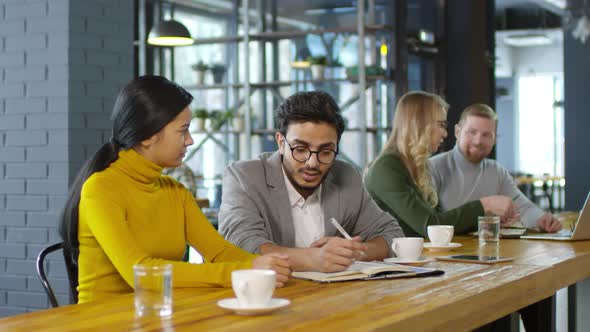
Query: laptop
<point x="581" y="229"/>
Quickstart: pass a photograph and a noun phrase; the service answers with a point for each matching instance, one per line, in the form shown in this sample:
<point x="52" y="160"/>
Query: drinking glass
<point x="488" y="229"/>
<point x="153" y="290"/>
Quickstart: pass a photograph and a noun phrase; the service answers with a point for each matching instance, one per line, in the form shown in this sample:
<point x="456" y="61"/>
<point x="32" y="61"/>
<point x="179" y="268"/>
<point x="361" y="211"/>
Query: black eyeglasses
<point x="301" y="153"/>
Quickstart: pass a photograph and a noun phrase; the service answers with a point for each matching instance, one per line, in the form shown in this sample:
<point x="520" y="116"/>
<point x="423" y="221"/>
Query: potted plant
<point x="200" y="115"/>
<point x="318" y="66"/>
<point x="218" y="71"/>
<point x="200" y="68"/>
<point x="236" y="119"/>
<point x="371" y="72"/>
<point x="336" y="69"/>
<point x="216" y="120"/>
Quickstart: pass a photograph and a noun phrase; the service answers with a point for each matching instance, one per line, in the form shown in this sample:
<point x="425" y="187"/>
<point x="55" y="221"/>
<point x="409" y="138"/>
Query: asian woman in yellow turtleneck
<point x="123" y="211"/>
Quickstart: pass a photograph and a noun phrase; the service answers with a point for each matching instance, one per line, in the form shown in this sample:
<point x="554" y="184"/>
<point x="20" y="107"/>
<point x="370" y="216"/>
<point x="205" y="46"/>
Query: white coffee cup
<point x="408" y="248"/>
<point x="253" y="288"/>
<point x="440" y="235"/>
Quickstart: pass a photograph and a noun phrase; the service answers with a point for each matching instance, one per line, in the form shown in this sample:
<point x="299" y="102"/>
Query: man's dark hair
<point x="312" y="106"/>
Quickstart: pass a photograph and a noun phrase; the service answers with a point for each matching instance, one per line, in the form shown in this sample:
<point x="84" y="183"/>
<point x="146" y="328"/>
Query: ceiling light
<point x="531" y="39"/>
<point x="169" y="33"/>
<point x="426" y="36"/>
<point x="582" y="29"/>
<point x="300" y="61"/>
<point x="557" y="3"/>
<point x="383" y="48"/>
<point x="331" y="10"/>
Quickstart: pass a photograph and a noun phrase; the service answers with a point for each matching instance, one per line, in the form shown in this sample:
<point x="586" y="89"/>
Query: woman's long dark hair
<point x="143" y="108"/>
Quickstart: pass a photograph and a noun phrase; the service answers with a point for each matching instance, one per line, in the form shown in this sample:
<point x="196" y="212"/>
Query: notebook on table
<point x="581" y="229"/>
<point x="369" y="271"/>
<point x="507" y="233"/>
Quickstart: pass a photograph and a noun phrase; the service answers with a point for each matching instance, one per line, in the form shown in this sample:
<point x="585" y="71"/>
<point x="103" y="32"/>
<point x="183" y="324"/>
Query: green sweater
<point x="392" y="187"/>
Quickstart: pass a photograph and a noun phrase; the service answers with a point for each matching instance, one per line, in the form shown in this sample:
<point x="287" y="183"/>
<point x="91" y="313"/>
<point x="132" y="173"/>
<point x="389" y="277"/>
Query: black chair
<point x="72" y="270"/>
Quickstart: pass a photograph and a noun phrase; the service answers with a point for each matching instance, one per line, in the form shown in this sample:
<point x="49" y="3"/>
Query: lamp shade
<point x="300" y="61"/>
<point x="169" y="33"/>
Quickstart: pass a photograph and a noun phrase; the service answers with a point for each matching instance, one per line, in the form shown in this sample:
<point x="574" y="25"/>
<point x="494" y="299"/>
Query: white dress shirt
<point x="307" y="215"/>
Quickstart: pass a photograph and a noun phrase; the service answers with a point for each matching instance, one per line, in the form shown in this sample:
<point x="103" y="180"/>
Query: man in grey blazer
<point x="282" y="202"/>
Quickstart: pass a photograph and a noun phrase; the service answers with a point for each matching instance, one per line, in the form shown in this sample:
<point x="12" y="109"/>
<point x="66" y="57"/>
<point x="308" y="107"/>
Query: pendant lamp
<point x="301" y="61"/>
<point x="169" y="33"/>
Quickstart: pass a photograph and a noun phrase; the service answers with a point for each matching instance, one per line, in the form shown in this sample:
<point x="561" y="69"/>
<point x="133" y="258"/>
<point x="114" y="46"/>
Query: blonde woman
<point x="400" y="182"/>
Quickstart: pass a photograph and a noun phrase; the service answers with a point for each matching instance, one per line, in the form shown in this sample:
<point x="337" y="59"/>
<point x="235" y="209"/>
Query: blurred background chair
<point x="547" y="191"/>
<point x="72" y="271"/>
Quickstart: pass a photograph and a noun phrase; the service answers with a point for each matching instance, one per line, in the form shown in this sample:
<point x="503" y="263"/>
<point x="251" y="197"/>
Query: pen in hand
<point x="340" y="229"/>
<point x="344" y="233"/>
<point x="510" y="222"/>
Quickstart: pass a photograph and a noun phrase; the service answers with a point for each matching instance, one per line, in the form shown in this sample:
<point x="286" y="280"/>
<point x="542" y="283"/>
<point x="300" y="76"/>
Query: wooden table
<point x="465" y="297"/>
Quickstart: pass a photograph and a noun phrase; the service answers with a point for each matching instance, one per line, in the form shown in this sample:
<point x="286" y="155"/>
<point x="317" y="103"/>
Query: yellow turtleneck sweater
<point x="129" y="213"/>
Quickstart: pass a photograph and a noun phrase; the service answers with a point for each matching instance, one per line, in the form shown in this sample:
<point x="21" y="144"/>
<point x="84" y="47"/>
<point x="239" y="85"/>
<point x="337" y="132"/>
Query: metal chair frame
<point x="71" y="268"/>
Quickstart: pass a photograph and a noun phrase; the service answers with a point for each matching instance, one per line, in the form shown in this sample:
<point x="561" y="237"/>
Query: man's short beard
<point x="471" y="159"/>
<point x="289" y="172"/>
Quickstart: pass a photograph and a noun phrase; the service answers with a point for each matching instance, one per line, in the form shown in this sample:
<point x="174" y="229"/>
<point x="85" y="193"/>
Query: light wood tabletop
<point x="465" y="297"/>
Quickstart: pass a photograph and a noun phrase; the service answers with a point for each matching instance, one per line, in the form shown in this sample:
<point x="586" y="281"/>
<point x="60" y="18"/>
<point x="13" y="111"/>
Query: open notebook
<point x="507" y="233"/>
<point x="369" y="271"/>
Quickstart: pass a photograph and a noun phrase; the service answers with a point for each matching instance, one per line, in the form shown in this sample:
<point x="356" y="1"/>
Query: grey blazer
<point x="255" y="205"/>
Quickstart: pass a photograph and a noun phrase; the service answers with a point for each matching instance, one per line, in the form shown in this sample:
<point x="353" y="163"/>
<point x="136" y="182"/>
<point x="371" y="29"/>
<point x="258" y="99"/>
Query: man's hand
<point x="277" y="262"/>
<point x="507" y="221"/>
<point x="335" y="254"/>
<point x="549" y="223"/>
<point x="501" y="206"/>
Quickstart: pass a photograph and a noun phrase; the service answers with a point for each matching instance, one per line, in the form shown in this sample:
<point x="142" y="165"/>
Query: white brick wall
<point x="26" y="170"/>
<point x="62" y="63"/>
<point x="12" y="154"/>
<point x="28" y="105"/>
<point x="12" y="218"/>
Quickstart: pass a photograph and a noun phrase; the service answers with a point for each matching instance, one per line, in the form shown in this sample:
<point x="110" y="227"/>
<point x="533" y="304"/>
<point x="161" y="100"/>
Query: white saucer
<point x="450" y="246"/>
<point x="418" y="262"/>
<point x="232" y="304"/>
